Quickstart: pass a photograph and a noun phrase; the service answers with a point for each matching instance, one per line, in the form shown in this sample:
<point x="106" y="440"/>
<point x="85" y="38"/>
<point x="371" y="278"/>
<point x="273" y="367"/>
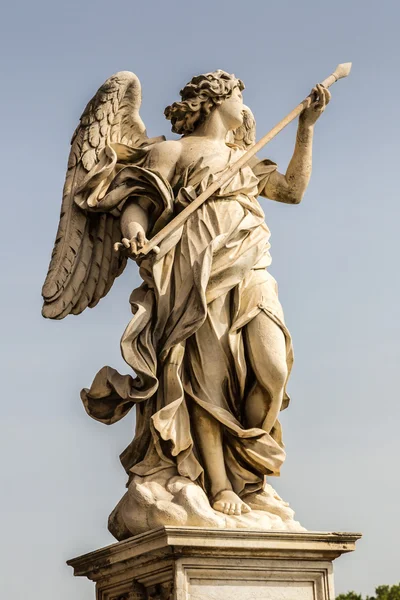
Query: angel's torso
<point x="233" y="209"/>
<point x="215" y="155"/>
<point x="172" y="158"/>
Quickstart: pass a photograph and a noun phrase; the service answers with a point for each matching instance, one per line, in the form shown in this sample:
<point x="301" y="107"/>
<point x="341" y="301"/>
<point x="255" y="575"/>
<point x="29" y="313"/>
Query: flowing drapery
<point x="185" y="341"/>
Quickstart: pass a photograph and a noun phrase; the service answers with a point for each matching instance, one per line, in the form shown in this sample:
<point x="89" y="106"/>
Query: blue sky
<point x="335" y="258"/>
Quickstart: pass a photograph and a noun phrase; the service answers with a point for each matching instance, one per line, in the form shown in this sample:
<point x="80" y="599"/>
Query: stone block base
<point x="191" y="563"/>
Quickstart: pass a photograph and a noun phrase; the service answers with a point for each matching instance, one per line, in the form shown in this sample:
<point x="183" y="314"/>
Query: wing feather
<point x="83" y="265"/>
<point x="105" y="262"/>
<point x="63" y="304"/>
<point x="118" y="260"/>
<point x="85" y="298"/>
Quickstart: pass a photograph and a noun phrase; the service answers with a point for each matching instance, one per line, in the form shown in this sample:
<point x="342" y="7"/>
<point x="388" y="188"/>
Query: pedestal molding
<point x="171" y="543"/>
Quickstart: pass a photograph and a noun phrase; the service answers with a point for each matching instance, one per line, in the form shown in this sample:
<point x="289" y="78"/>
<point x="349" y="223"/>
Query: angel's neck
<point x="213" y="128"/>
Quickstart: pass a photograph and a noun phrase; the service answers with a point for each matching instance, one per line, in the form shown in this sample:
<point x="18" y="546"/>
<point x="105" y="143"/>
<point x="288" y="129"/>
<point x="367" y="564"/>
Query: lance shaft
<point x="341" y="71"/>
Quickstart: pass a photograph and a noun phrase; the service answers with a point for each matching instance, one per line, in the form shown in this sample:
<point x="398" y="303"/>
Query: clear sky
<point x="335" y="257"/>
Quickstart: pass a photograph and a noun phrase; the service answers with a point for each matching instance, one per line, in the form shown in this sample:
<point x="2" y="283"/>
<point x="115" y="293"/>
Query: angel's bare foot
<point x="229" y="503"/>
<point x="270" y="502"/>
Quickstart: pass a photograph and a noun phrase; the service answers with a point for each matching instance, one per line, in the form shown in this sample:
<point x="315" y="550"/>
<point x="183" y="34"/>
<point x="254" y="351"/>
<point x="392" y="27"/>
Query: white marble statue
<point x="207" y="343"/>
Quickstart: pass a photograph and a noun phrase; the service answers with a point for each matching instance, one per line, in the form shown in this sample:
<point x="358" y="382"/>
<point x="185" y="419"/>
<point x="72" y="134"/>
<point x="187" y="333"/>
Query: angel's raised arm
<point x="290" y="188"/>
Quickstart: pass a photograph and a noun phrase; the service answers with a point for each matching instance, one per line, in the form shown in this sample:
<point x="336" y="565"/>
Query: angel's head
<point x="205" y="93"/>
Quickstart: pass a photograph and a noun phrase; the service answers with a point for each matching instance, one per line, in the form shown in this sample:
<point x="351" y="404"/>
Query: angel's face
<point x="231" y="110"/>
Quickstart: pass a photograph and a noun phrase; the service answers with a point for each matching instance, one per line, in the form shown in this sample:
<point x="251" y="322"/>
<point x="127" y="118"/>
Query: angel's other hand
<point x="133" y="245"/>
<point x="320" y="97"/>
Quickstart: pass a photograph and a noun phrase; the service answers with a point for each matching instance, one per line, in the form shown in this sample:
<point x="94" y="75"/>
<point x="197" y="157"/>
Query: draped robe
<point x="185" y="341"/>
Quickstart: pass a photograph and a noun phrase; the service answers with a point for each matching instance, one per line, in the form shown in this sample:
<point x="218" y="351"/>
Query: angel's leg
<point x="210" y="366"/>
<point x="266" y="352"/>
<point x="209" y="438"/>
<point x="208" y="434"/>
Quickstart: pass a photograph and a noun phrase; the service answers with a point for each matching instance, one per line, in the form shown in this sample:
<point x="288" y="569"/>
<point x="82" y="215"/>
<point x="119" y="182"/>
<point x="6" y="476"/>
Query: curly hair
<point x="199" y="97"/>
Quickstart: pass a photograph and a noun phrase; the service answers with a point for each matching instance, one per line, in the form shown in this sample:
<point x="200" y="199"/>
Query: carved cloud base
<point x="176" y="563"/>
<point x="167" y="499"/>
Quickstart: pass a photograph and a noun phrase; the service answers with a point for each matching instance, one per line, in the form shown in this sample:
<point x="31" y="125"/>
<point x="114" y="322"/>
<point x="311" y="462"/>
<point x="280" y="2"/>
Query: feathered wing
<point x="83" y="265"/>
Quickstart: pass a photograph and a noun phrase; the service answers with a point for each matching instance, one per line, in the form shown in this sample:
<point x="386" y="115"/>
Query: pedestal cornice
<point x="175" y="542"/>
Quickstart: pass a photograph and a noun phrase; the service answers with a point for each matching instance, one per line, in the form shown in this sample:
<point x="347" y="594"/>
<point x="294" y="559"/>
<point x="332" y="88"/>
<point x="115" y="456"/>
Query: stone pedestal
<point x="177" y="563"/>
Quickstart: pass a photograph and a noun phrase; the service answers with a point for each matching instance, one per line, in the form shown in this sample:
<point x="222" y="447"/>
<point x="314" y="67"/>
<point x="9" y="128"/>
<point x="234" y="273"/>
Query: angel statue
<point x="207" y="342"/>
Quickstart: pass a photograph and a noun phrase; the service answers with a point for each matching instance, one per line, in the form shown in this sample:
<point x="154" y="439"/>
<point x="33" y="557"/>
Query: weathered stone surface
<point x="175" y="501"/>
<point x="208" y="346"/>
<point x="175" y="563"/>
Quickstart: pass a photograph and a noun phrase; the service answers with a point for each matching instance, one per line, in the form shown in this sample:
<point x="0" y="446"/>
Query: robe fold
<point x="185" y="341"/>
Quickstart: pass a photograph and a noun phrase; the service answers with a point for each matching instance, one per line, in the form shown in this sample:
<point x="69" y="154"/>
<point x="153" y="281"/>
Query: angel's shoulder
<point x="164" y="156"/>
<point x="166" y="151"/>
